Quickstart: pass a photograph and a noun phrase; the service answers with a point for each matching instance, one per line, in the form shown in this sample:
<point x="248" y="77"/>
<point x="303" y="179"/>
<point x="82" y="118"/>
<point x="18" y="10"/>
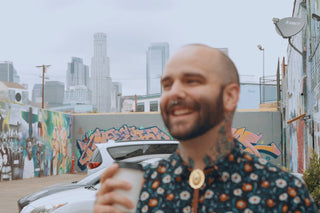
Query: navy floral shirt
<point x="240" y="182"/>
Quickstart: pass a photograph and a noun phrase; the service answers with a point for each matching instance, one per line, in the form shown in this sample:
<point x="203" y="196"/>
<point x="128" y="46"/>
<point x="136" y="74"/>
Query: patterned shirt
<point x="239" y="182"/>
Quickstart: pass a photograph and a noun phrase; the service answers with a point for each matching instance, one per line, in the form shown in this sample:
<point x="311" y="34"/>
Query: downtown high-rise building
<point x="77" y="91"/>
<point x="77" y="73"/>
<point x="8" y="72"/>
<point x="157" y="57"/>
<point x="116" y="97"/>
<point x="101" y="82"/>
<point x="53" y="93"/>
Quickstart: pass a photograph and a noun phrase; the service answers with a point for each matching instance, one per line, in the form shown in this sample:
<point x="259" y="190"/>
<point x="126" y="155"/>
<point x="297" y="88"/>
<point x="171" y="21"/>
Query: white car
<point x="75" y="200"/>
<point x="130" y="151"/>
<point x="56" y="188"/>
<point x="79" y="200"/>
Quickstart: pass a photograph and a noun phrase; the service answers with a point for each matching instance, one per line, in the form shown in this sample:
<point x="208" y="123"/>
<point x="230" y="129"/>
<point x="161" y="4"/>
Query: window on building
<point x="154" y="106"/>
<point x="140" y="107"/>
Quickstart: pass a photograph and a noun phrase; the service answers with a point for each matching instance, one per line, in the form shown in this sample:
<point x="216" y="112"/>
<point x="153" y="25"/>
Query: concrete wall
<point x="259" y="132"/>
<point x="63" y="143"/>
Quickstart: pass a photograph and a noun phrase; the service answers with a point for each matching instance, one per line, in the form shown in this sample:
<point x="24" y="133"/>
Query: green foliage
<point x="311" y="177"/>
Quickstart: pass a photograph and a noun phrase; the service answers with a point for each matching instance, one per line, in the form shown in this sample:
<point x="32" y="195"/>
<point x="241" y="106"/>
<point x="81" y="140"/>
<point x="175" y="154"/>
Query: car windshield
<point x="96" y="156"/>
<point x="129" y="151"/>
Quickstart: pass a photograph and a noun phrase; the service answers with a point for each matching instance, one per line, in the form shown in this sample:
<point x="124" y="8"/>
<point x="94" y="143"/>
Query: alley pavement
<point x="11" y="191"/>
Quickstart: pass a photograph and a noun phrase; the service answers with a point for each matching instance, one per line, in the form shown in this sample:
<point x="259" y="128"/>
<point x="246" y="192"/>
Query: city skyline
<point x="41" y="33"/>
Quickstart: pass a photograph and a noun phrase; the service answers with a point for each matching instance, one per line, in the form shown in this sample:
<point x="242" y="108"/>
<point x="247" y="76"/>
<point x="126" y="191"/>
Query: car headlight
<point x="47" y="208"/>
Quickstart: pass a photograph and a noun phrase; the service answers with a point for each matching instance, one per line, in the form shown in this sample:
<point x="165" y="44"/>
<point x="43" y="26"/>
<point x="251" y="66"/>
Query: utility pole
<point x="135" y="103"/>
<point x="43" y="72"/>
<point x="263" y="77"/>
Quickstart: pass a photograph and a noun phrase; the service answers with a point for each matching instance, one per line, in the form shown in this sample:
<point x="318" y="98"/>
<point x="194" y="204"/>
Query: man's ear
<point x="231" y="97"/>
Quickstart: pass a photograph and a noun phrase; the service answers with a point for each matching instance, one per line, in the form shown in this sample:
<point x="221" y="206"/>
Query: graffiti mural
<point x="27" y="142"/>
<point x="249" y="141"/>
<point x="55" y="132"/>
<point x="18" y="142"/>
<point x="86" y="146"/>
<point x="36" y="142"/>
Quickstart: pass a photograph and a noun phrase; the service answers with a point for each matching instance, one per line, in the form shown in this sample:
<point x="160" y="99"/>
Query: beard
<point x="210" y="114"/>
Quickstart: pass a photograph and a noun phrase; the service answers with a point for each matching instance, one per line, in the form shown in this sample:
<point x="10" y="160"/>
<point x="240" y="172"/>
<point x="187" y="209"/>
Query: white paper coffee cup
<point x="133" y="173"/>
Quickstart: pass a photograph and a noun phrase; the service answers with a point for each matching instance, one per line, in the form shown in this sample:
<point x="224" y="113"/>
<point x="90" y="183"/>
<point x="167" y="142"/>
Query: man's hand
<point x="106" y="197"/>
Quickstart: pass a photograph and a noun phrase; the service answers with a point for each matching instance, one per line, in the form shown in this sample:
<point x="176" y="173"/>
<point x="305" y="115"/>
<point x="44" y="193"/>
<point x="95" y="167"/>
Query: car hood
<point x="72" y="197"/>
<point x="22" y="202"/>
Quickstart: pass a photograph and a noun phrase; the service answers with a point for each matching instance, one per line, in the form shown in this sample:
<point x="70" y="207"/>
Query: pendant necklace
<point x="196" y="178"/>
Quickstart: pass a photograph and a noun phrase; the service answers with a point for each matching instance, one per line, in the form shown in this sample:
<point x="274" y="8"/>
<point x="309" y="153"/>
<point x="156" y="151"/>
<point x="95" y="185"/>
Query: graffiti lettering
<point x="270" y="149"/>
<point x="249" y="140"/>
<point x="86" y="146"/>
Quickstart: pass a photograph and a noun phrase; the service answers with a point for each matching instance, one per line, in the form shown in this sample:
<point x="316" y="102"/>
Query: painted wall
<point x="18" y="125"/>
<point x="259" y="132"/>
<point x="312" y="88"/>
<point x="99" y="128"/>
<point x="295" y="105"/>
<point x="26" y="142"/>
<point x="36" y="142"/>
<point x="55" y="134"/>
<point x="300" y="92"/>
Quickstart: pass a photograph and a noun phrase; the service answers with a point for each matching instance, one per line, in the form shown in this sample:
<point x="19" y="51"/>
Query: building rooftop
<point x="12" y="85"/>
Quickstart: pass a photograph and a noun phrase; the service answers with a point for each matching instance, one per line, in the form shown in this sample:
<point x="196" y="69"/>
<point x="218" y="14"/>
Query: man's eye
<point x="192" y="81"/>
<point x="166" y="85"/>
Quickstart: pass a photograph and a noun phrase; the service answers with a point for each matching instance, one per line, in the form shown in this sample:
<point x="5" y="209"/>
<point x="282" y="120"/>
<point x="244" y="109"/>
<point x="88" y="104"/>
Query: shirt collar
<point x="223" y="164"/>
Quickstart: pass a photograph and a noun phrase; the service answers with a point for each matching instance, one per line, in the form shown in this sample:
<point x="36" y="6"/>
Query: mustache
<point x="182" y="103"/>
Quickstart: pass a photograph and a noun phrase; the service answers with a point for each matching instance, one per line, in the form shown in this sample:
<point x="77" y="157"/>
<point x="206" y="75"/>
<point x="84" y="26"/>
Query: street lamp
<point x="263" y="77"/>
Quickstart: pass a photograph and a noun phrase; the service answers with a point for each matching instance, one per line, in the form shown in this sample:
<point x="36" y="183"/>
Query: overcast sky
<point x="36" y="32"/>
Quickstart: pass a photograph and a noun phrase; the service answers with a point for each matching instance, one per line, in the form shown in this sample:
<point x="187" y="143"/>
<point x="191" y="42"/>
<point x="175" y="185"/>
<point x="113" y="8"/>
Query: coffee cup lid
<point x="130" y="165"/>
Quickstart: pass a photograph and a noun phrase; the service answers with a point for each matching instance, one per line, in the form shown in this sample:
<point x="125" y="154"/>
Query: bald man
<point x="208" y="172"/>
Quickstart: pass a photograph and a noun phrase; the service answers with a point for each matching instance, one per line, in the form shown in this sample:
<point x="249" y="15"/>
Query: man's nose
<point x="177" y="91"/>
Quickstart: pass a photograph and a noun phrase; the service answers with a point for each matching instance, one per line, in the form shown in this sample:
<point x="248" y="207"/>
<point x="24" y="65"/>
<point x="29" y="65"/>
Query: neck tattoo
<point x="191" y="163"/>
<point x="221" y="148"/>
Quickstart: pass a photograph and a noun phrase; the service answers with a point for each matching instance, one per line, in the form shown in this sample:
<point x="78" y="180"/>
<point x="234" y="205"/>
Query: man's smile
<point x="180" y="111"/>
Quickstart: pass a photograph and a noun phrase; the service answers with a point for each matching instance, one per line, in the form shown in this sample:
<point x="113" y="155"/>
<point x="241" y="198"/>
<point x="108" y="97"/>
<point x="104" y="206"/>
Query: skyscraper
<point x="77" y="82"/>
<point x="157" y="56"/>
<point x="116" y="97"/>
<point x="77" y="73"/>
<point x="54" y="93"/>
<point x="101" y="82"/>
<point x="8" y="72"/>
